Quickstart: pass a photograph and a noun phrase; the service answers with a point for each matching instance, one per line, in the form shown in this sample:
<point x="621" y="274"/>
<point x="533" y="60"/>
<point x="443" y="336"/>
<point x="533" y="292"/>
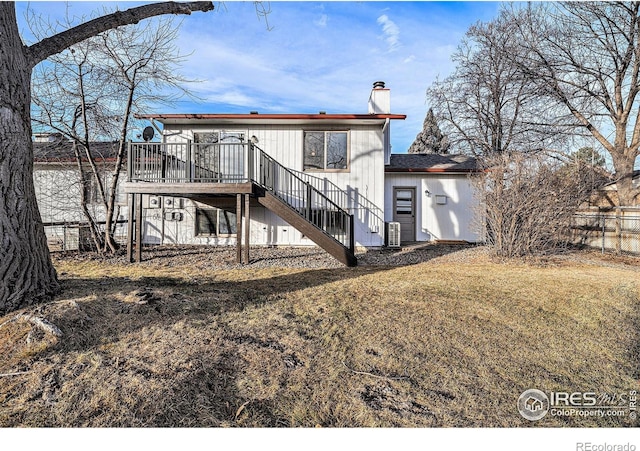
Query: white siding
<point x="364" y="181"/>
<point x="58" y="193"/>
<point x="454" y="220"/>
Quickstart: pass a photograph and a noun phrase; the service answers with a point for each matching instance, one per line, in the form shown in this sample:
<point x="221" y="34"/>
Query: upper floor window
<point x="326" y="151"/>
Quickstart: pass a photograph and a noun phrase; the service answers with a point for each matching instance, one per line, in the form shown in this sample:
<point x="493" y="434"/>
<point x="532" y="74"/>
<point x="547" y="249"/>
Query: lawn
<point x="445" y="343"/>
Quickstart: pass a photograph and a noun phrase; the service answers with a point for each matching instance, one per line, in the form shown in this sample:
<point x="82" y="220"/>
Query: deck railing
<point x="304" y="198"/>
<point x="189" y="162"/>
<point x="365" y="212"/>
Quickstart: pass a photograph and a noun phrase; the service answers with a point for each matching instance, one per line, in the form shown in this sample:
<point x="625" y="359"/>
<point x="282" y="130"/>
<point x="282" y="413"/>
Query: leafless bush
<point x="527" y="201"/>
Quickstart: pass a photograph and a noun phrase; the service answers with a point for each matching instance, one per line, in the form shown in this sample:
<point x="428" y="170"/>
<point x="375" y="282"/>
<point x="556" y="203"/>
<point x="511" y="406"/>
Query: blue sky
<point x="313" y="55"/>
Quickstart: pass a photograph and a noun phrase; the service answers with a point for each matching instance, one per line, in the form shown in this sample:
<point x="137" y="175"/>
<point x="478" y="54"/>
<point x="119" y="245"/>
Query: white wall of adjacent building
<point x="445" y="205"/>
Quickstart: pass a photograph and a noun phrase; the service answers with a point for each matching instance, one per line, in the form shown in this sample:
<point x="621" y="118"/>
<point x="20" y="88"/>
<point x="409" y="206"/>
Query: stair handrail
<point x="351" y="202"/>
<point x="335" y="193"/>
<point x="261" y="179"/>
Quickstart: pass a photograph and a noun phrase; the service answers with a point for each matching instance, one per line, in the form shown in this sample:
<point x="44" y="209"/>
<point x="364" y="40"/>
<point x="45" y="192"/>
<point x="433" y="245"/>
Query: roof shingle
<point x="62" y="151"/>
<point x="431" y="162"/>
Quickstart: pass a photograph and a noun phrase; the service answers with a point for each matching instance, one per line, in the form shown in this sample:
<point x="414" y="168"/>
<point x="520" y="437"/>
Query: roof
<point x="431" y="162"/>
<point x="61" y="151"/>
<point x="635" y="177"/>
<point x="255" y="118"/>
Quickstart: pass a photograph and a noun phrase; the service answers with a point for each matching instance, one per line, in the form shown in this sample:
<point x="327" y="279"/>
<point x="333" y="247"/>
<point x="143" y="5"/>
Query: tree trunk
<point x="624" y="168"/>
<point x="110" y="243"/>
<point x="26" y="272"/>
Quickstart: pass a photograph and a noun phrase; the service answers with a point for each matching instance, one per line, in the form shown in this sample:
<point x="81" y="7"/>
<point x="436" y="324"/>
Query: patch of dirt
<point x="383" y="395"/>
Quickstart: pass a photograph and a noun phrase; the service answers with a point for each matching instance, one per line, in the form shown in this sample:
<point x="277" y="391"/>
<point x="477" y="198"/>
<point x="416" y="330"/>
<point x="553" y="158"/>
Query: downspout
<point x="387" y="142"/>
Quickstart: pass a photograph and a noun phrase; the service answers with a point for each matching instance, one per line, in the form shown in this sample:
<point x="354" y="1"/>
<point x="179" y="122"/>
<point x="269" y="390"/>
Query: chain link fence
<point x="616" y="231"/>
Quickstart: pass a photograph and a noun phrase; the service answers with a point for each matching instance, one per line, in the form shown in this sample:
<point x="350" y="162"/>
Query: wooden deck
<point x="187" y="189"/>
<point x="236" y="175"/>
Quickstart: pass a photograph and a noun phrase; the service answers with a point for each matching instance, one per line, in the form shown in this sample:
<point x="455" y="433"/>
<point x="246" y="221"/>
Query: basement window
<point x="215" y="222"/>
<point x="326" y="151"/>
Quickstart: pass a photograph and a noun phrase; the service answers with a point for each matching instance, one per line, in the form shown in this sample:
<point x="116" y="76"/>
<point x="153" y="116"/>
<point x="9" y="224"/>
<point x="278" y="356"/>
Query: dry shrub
<point x="527" y="201"/>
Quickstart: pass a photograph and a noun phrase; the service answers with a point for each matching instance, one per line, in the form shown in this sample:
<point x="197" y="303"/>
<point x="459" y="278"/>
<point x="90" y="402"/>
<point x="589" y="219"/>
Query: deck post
<point x="139" y="228"/>
<point x="247" y="231"/>
<point x="129" y="162"/>
<point x="238" y="228"/>
<point x="130" y="223"/>
<point x="187" y="167"/>
<point x="250" y="175"/>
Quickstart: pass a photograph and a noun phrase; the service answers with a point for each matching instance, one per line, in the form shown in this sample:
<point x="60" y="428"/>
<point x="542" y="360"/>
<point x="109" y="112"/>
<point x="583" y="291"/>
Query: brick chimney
<point x="380" y="99"/>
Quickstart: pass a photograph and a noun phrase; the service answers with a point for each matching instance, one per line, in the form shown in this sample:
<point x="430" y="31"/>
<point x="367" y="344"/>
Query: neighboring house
<point x="58" y="188"/>
<point x="607" y="196"/>
<point x="288" y="179"/>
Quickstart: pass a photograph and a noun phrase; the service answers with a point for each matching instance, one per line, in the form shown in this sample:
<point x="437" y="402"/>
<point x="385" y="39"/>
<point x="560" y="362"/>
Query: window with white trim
<point x="326" y="151"/>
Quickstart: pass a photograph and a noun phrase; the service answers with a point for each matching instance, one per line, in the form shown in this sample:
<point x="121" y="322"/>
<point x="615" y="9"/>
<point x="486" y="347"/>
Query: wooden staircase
<point x="304" y="207"/>
<point x="340" y="252"/>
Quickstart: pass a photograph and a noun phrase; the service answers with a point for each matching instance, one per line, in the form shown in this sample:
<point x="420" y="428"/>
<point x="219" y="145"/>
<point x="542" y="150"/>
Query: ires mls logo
<point x="533" y="404"/>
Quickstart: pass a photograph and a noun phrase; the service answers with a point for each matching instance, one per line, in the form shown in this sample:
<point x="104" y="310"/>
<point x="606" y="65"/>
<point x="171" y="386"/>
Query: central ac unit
<point x="393" y="234"/>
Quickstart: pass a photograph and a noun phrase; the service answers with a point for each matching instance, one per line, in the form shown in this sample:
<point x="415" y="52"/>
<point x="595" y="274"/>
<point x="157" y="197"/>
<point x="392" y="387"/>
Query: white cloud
<point x="322" y="22"/>
<point x="305" y="64"/>
<point x="391" y="32"/>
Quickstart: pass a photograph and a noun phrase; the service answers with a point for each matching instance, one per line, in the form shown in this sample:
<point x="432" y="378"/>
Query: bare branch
<point x="57" y="43"/>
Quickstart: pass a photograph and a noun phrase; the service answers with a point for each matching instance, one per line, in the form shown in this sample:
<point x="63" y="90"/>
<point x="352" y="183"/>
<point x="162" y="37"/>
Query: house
<point x="283" y="180"/>
<point x="59" y="187"/>
<point x="607" y="196"/>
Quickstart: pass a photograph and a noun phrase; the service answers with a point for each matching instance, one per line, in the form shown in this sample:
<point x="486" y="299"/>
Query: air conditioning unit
<point x="393" y="234"/>
<point x="155" y="202"/>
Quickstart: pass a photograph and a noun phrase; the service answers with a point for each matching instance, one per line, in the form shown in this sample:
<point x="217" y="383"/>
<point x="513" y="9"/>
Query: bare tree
<point x="586" y="56"/>
<point x="493" y="109"/>
<point x="27" y="274"/>
<point x="93" y="90"/>
<point x="487" y="106"/>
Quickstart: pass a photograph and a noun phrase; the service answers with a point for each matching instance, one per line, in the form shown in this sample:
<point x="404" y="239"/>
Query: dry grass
<point x="433" y="344"/>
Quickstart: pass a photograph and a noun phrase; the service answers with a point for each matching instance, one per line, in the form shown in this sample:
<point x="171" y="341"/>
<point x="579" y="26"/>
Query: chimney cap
<point x="378" y="85"/>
